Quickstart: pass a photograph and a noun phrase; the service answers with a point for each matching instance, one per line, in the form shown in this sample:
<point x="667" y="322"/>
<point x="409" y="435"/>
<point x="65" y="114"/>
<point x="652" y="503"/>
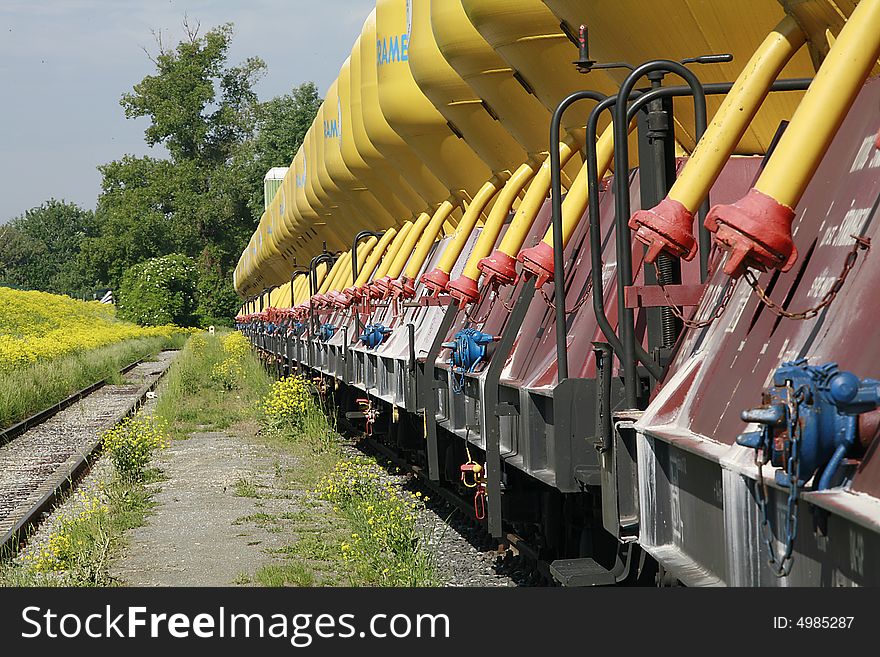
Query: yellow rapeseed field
<point x="37" y="326"/>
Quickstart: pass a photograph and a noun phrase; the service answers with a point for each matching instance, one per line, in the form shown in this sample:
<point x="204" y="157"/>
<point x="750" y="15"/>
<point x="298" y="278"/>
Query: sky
<point x="64" y="64"/>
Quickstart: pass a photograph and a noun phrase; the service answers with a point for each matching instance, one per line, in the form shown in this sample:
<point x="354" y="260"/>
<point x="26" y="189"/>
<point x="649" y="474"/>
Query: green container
<point x="272" y="183"/>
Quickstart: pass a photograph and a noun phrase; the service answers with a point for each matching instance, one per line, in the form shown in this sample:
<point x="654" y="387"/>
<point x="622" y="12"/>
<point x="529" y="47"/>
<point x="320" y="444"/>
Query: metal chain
<point x="580" y="302"/>
<point x="699" y="324"/>
<point x="860" y="244"/>
<point x="781" y="565"/>
<point x="477" y="305"/>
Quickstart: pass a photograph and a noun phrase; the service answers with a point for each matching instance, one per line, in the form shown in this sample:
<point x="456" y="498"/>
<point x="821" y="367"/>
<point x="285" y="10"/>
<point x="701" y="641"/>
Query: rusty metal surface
<point x="721" y="370"/>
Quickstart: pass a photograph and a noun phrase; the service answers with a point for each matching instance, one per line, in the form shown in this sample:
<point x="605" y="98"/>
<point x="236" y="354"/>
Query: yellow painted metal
<point x="408" y="110"/>
<point x="575" y="203"/>
<point x="343" y="276"/>
<point x="532" y="202"/>
<point x="278" y="235"/>
<point x="377" y="174"/>
<point x="820" y="20"/>
<point x="299" y="242"/>
<point x="528" y="36"/>
<point x="627" y="30"/>
<point x="314" y="215"/>
<point x="302" y="294"/>
<point x="468" y="222"/>
<point x="451" y="223"/>
<point x="329" y="193"/>
<point x="341" y="281"/>
<point x="335" y="217"/>
<point x="307" y="218"/>
<point x="327" y="281"/>
<point x="278" y="298"/>
<point x="521" y="113"/>
<point x="365" y="249"/>
<point x="371" y="209"/>
<point x="503" y="204"/>
<point x="814" y="124"/>
<point x="735" y="114"/>
<point x="321" y="274"/>
<point x="366" y="270"/>
<point x="478" y="64"/>
<point x="300" y="290"/>
<point x="270" y="262"/>
<point x="408" y="245"/>
<point x="364" y="81"/>
<point x="429" y="236"/>
<point x="337" y="279"/>
<point x="405" y="173"/>
<point x="396" y="245"/>
<point x="454" y="98"/>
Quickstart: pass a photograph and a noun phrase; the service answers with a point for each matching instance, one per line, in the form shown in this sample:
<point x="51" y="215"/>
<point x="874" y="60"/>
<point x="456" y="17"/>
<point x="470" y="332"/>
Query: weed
<point x="245" y="488"/>
<point x="132" y="442"/>
<point x="84" y="540"/>
<point x="385" y="548"/>
<point x="195" y="400"/>
<point x="285" y="574"/>
<point x="243" y="579"/>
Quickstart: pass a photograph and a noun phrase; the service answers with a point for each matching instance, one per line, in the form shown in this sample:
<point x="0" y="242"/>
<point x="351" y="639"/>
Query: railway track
<point x="42" y="457"/>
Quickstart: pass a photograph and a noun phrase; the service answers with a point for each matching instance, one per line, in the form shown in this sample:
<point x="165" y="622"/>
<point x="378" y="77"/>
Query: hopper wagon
<point x="605" y="268"/>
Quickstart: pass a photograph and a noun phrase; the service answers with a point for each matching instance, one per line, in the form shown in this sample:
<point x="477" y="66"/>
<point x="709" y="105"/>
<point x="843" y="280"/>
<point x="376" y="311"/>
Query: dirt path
<point x="219" y="515"/>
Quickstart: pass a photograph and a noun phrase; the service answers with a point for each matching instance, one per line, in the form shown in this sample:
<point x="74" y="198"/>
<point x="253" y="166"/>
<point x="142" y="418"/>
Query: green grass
<point x="30" y="389"/>
<point x="203" y="392"/>
<point x="87" y="542"/>
<point x="286" y="574"/>
<point x="193" y="400"/>
<point x="245" y="488"/>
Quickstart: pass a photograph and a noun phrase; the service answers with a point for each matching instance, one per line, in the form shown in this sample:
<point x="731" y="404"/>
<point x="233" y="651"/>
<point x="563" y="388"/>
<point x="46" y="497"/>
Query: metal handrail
<point x="556" y="218"/>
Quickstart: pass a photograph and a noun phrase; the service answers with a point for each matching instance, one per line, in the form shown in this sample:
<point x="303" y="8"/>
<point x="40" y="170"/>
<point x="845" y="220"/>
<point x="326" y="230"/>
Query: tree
<point x="159" y="291"/>
<point x="215" y="293"/>
<point x="41" y="249"/>
<point x="206" y="199"/>
<point x="181" y="99"/>
<point x="281" y="126"/>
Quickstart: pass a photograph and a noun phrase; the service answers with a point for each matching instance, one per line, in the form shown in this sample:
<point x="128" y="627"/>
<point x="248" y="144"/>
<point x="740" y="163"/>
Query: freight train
<point x="605" y="268"/>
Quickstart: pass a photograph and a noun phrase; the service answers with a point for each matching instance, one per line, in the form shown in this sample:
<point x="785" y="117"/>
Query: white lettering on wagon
<point x="842" y="233"/>
<point x="867" y="157"/>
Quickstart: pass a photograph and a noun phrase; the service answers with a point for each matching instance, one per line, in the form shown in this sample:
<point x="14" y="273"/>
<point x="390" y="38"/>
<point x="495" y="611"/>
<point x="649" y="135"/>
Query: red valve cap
<point x="381" y="286"/>
<point x="464" y="290"/>
<point x="538" y="261"/>
<point x="756" y="230"/>
<point x="435" y="281"/>
<point x="668" y="227"/>
<point x="499" y="267"/>
<point x="403" y="288"/>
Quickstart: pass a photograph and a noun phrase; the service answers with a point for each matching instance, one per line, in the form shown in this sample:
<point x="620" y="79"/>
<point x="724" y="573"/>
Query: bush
<point x="217" y="299"/>
<point x="290" y="410"/>
<point x="388" y="548"/>
<point x="131" y="443"/>
<point x="229" y="372"/>
<point x="160" y="291"/>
